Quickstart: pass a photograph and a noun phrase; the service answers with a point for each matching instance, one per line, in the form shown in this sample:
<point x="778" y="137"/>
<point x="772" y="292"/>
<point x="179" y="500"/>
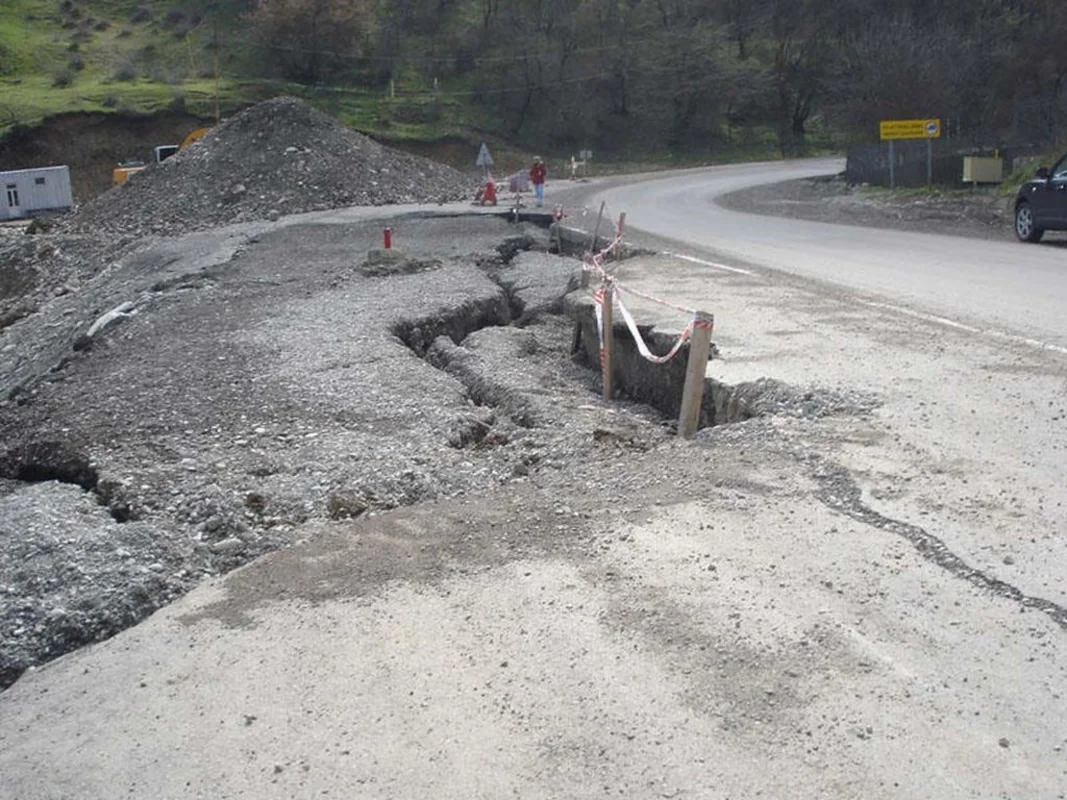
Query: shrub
<point x="125" y="33"/>
<point x="62" y="79"/>
<point x="173" y="18"/>
<point x="413" y="112"/>
<point x="163" y="74"/>
<point x="125" y="71"/>
<point x="142" y="14"/>
<point x="76" y="62"/>
<point x="109" y="101"/>
<point x="182" y="29"/>
<point x="102" y="25"/>
<point x="8" y="62"/>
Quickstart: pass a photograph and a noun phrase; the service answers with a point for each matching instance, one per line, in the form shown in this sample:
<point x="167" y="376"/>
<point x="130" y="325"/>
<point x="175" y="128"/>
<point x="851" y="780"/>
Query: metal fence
<point x="1039" y="123"/>
<point x="869" y="163"/>
<point x="1037" y="127"/>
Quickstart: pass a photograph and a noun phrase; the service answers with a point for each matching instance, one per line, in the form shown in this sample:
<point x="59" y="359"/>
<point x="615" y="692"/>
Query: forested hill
<point x="610" y="74"/>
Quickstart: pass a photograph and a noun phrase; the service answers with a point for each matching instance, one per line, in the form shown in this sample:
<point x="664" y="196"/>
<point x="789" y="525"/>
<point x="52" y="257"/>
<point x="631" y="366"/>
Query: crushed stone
<point x="278" y="157"/>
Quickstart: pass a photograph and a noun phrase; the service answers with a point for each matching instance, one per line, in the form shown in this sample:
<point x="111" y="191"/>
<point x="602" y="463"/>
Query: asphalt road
<point x="1004" y="286"/>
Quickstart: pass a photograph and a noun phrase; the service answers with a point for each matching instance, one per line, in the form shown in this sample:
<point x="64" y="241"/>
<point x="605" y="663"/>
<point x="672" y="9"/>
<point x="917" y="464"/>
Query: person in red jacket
<point x="537" y="178"/>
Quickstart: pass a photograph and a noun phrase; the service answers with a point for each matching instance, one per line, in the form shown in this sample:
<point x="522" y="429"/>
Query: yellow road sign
<point x="910" y="129"/>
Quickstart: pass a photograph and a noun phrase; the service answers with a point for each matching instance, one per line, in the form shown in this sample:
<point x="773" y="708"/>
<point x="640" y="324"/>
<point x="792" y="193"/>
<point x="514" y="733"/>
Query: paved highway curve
<point x="1008" y="287"/>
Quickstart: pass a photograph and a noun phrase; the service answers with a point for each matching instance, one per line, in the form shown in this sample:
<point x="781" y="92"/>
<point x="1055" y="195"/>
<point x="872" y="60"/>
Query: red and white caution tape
<point x="639" y="340"/>
<point x="599" y="297"/>
<point x="630" y="290"/>
<point x="593" y="263"/>
<point x="598" y="302"/>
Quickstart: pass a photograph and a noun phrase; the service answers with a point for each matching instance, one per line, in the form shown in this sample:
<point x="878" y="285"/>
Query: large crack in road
<point x="840" y="491"/>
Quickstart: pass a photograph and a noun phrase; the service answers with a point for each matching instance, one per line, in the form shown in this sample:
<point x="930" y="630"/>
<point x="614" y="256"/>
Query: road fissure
<point x="839" y="490"/>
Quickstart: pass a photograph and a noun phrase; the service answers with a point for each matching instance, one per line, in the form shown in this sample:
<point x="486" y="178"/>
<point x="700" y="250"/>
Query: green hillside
<point x="633" y="78"/>
<point x="121" y="56"/>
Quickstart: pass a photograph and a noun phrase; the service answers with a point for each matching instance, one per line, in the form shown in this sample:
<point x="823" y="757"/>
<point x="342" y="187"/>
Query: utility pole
<point x="215" y="47"/>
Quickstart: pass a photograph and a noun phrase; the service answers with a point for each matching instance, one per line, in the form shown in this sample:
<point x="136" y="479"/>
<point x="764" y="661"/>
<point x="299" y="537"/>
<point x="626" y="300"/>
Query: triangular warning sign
<point x="484" y="159"/>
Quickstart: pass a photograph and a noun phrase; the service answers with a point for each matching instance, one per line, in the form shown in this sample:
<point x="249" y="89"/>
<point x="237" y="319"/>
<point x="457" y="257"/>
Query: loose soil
<point x="92" y="145"/>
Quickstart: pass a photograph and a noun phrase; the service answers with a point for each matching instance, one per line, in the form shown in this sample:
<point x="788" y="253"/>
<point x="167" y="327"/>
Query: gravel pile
<point x="278" y="157"/>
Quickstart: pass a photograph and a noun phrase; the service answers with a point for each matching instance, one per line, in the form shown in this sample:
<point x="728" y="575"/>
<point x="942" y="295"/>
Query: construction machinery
<point x="162" y="152"/>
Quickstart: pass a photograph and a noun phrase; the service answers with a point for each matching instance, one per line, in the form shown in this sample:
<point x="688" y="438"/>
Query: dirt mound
<point x="278" y="157"/>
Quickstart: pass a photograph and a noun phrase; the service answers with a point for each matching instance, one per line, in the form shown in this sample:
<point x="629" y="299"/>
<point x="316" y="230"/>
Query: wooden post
<point x="592" y="245"/>
<point x="695" y="376"/>
<point x="608" y="356"/>
<point x="622" y="230"/>
<point x="596" y="230"/>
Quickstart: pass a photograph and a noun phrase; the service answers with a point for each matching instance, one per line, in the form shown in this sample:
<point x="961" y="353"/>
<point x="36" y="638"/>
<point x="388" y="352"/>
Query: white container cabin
<point x="25" y="192"/>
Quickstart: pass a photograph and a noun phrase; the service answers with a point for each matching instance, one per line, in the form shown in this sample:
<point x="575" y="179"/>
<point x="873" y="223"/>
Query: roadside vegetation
<point x="662" y="82"/>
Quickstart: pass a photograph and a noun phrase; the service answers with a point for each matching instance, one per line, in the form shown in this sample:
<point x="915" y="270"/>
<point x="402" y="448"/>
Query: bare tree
<point x="311" y="40"/>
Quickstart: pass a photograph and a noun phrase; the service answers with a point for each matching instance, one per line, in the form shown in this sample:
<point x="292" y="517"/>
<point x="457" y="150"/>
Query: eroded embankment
<point x="284" y="380"/>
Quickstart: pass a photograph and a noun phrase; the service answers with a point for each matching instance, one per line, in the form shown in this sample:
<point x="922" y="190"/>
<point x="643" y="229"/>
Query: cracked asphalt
<point x="866" y="602"/>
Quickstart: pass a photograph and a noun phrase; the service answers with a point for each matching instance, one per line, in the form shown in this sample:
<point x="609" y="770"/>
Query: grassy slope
<point x="149" y="65"/>
<point x="38" y="39"/>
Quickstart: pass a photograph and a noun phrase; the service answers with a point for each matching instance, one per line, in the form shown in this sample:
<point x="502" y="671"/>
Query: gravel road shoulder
<point x="982" y="213"/>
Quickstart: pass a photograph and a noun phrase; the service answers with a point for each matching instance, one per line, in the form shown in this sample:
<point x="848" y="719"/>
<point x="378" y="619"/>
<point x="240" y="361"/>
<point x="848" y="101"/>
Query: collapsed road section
<point x="260" y="379"/>
<point x="259" y="392"/>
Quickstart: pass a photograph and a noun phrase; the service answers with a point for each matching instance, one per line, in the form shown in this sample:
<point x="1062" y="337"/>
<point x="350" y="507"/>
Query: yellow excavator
<point x="123" y="171"/>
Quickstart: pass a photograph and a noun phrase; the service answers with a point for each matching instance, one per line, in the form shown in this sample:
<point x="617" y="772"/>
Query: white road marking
<point x="951" y="323"/>
<point x="712" y="264"/>
<point x="939" y="320"/>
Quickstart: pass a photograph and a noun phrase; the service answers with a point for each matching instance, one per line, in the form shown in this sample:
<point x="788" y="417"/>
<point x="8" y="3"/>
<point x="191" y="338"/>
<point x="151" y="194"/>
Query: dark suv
<point x="1041" y="204"/>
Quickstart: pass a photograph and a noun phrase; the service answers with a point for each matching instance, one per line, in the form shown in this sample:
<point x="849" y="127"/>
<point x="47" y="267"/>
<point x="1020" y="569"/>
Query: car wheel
<point x="1025" y="228"/>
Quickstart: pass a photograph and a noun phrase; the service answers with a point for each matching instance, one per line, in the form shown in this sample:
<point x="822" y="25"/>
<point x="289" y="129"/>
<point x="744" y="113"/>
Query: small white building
<point x="25" y="192"/>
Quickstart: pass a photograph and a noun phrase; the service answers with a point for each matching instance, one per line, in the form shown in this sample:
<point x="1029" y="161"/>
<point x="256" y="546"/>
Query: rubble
<point x="276" y="158"/>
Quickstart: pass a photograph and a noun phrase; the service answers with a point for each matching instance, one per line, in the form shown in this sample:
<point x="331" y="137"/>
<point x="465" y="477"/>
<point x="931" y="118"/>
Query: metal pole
<point x="929" y="162"/>
<point x="892" y="167"/>
<point x="215" y="47"/>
